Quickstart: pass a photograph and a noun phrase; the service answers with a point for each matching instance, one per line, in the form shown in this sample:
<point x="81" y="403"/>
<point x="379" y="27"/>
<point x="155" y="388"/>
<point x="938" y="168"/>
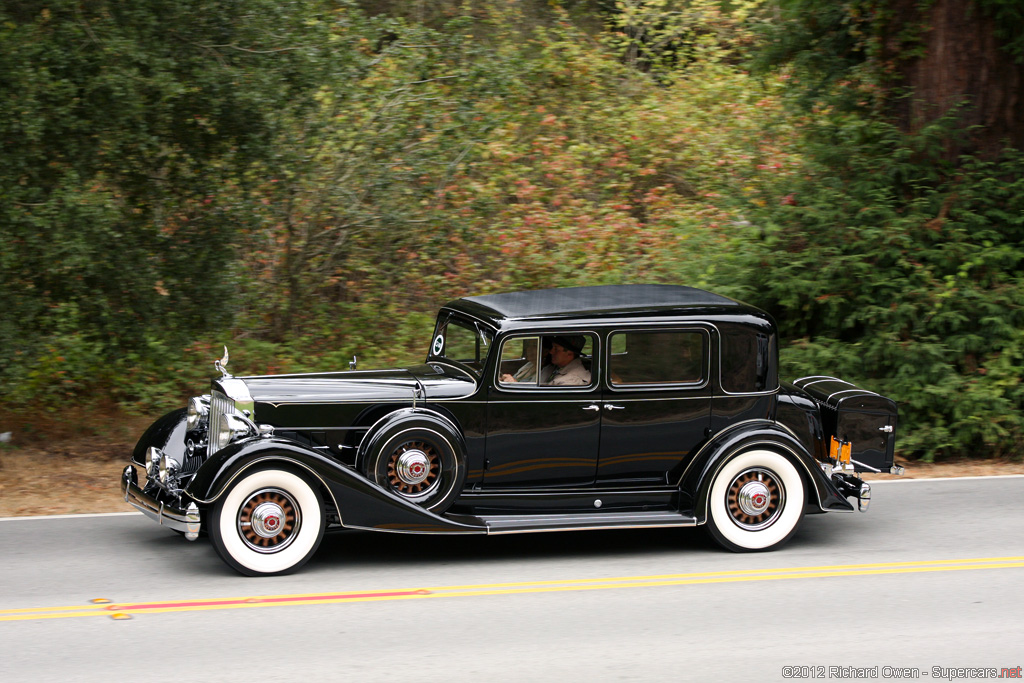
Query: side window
<point x="748" y="360"/>
<point x="547" y="361"/>
<point x="657" y="357"/>
<point x="518" y="364"/>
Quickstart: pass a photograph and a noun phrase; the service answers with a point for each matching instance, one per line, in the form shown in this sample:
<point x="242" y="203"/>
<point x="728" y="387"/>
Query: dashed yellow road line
<point x="123" y="610"/>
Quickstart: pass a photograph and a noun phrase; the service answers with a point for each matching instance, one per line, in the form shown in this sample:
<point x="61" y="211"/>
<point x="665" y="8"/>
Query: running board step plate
<point x="517" y="524"/>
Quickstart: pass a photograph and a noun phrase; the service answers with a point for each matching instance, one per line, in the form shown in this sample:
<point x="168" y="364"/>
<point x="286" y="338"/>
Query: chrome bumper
<point x="186" y="521"/>
<point x="853" y="487"/>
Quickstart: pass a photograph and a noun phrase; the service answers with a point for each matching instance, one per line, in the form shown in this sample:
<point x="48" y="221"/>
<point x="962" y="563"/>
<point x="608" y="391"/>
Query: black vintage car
<point x="660" y="406"/>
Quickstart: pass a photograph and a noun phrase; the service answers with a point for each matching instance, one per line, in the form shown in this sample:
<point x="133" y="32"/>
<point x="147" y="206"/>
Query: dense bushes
<point x="887" y="267"/>
<point x="310" y="184"/>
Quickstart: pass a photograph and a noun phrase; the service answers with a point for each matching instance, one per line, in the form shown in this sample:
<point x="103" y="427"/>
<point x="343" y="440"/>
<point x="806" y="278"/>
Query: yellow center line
<point x="743" y="572"/>
<point x="513" y="588"/>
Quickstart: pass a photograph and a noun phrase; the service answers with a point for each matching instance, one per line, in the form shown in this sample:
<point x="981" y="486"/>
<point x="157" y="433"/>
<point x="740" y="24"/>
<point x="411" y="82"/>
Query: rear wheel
<point x="268" y="522"/>
<point x="756" y="502"/>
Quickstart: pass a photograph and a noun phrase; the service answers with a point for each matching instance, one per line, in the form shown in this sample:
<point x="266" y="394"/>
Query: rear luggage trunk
<point x="861" y="418"/>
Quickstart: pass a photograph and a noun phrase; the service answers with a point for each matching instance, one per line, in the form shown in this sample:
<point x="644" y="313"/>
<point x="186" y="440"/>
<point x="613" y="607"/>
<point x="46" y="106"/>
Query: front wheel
<point x="756" y="502"/>
<point x="268" y="522"/>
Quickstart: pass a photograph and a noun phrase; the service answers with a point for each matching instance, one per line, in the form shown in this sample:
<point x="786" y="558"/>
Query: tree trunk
<point x="963" y="63"/>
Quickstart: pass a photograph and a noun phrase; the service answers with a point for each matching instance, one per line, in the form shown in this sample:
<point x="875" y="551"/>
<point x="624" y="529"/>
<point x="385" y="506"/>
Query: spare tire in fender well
<point x="418" y="454"/>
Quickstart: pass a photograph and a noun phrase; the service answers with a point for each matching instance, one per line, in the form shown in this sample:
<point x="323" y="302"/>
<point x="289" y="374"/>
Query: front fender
<point x="167" y="434"/>
<point x="700" y="474"/>
<point x="360" y="503"/>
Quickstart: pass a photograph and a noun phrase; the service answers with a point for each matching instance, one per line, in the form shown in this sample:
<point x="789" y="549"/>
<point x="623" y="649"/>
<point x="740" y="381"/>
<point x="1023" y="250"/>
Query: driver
<point x="565" y="356"/>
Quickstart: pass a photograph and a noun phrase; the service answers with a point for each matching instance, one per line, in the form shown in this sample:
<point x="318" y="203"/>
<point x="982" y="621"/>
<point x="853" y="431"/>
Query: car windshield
<point x="462" y="341"/>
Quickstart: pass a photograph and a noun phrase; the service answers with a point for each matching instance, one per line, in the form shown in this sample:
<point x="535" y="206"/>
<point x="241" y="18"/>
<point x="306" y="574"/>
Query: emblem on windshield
<point x="438" y="344"/>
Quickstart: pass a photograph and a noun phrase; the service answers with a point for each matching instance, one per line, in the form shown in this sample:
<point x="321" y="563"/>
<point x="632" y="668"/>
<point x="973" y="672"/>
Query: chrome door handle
<point x="609" y="406"/>
<point x="593" y="406"/>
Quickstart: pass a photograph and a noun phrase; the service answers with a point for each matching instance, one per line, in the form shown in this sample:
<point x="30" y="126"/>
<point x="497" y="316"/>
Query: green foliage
<point x="1008" y="19"/>
<point x="306" y="182"/>
<point x="890" y="269"/>
<point x="664" y="37"/>
<point x="120" y="122"/>
<point x="464" y="165"/>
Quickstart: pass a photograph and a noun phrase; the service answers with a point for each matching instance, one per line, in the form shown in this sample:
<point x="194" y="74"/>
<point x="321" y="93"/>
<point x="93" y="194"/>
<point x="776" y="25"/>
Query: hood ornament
<point x="222" y="363"/>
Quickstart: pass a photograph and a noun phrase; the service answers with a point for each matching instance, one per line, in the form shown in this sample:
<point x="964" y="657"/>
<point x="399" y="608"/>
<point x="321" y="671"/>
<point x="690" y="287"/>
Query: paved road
<point x="931" y="577"/>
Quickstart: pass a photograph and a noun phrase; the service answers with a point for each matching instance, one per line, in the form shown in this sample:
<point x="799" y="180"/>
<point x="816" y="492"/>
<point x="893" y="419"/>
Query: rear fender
<point x="699" y="475"/>
<point x="360" y="503"/>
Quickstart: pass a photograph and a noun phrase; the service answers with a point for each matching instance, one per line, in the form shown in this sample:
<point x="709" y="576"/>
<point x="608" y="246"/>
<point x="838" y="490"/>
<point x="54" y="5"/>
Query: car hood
<point x="435" y="381"/>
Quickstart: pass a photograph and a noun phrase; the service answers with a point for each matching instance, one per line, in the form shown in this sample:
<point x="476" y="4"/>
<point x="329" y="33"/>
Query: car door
<point x="656" y="408"/>
<point x="538" y="434"/>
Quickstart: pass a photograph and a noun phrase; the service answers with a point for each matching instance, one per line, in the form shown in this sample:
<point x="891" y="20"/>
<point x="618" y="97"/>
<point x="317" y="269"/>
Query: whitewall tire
<point x="269" y="521"/>
<point x="756" y="502"/>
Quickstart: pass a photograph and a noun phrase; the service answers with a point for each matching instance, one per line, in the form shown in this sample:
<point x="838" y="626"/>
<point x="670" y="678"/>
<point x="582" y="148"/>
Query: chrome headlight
<point x="198" y="409"/>
<point x="168" y="471"/>
<point x="232" y="427"/>
<point x="153" y="457"/>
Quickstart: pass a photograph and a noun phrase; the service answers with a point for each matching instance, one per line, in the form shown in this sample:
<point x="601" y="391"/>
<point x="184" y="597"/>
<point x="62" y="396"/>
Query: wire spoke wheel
<point x="755" y="502"/>
<point x="416" y="458"/>
<point x="269" y="520"/>
<point x="414" y="468"/>
<point x="754" y="499"/>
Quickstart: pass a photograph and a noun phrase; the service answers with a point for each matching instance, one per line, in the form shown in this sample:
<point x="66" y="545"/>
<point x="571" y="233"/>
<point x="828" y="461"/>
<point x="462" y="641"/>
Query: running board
<point x="520" y="524"/>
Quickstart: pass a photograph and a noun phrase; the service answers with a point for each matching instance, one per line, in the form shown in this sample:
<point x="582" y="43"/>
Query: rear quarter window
<point x="749" y="359"/>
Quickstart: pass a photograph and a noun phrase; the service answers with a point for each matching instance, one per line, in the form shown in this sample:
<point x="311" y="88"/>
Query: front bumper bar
<point x="186" y="521"/>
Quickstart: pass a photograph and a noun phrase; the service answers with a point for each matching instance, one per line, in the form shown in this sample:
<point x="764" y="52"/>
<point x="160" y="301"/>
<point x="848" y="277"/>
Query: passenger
<point x="528" y="371"/>
<point x="565" y="356"/>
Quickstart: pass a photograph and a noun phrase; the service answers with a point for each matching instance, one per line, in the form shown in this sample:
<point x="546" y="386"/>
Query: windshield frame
<point x="483" y="339"/>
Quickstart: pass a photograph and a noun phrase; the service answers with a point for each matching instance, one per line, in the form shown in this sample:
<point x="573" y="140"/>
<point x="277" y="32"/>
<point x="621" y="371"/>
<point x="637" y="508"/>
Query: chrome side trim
<point x="476" y="496"/>
<point x="598" y="527"/>
<point x="418" y="532"/>
<point x="405" y="401"/>
<point x="815" y="377"/>
<point x="318" y="429"/>
<point x="847" y="391"/>
<point x="498" y="525"/>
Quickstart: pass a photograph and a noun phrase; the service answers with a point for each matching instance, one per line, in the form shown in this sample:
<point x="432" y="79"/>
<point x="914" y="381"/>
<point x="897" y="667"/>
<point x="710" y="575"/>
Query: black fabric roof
<point x="607" y="298"/>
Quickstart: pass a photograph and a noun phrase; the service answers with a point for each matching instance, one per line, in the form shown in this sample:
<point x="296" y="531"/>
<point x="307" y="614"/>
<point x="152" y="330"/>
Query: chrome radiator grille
<point x="192" y="462"/>
<point x="219" y="405"/>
